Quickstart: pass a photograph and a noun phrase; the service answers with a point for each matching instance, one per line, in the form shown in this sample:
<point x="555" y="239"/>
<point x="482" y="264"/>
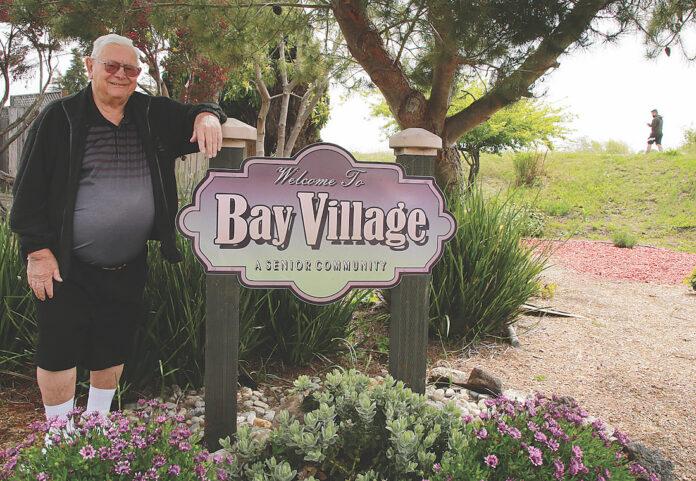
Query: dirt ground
<point x="630" y="359"/>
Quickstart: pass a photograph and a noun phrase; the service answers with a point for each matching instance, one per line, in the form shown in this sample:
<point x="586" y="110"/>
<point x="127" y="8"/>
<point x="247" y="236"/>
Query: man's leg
<point x="659" y="147"/>
<point x="58" y="394"/>
<point x="648" y="149"/>
<point x="102" y="387"/>
<point x="57" y="387"/>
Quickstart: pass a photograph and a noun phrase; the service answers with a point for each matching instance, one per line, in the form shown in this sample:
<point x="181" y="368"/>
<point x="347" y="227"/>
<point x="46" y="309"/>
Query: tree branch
<point x="517" y="84"/>
<point x="367" y="47"/>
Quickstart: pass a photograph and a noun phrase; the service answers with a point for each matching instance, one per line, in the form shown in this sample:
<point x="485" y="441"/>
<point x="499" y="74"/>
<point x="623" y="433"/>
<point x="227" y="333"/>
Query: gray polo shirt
<point x="115" y="207"/>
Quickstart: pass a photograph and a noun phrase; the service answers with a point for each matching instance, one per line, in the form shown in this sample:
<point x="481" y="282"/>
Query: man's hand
<point x="208" y="133"/>
<point x="42" y="269"/>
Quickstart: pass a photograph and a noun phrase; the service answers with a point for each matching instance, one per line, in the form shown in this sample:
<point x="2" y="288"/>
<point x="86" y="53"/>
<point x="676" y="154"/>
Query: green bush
<point x="17" y="323"/>
<point x="354" y="429"/>
<point x="540" y="440"/>
<point x="621" y="238"/>
<point x="529" y="166"/>
<point x="557" y="208"/>
<point x="485" y="273"/>
<point x="691" y="280"/>
<point x="616" y="147"/>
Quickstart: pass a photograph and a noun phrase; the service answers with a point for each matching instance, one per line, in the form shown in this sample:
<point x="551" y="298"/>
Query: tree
<point x="416" y="52"/>
<point x="27" y="49"/>
<point x="75" y="78"/>
<point x="526" y="123"/>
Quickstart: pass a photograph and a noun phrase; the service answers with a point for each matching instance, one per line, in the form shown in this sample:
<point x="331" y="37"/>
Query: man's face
<point x="115" y="87"/>
<point x="654" y="114"/>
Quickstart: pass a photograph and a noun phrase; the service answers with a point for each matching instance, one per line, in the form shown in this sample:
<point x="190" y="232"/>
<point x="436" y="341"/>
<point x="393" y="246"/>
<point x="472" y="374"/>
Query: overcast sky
<point x="609" y="88"/>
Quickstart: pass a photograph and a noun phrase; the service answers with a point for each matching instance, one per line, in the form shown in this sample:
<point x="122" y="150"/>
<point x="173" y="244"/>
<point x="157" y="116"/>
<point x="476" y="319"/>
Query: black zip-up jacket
<point x="46" y="185"/>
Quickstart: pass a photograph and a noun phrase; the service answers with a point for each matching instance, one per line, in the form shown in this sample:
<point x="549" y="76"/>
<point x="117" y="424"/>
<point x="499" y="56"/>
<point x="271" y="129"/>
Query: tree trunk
<point x="263" y="112"/>
<point x="307" y="104"/>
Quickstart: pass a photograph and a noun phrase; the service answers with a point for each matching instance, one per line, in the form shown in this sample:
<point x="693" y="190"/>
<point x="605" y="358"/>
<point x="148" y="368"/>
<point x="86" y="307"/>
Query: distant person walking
<point x="655" y="131"/>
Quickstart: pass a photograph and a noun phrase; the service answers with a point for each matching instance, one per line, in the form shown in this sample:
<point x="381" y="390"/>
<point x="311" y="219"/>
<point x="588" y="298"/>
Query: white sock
<point x="61" y="411"/>
<point x="99" y="400"/>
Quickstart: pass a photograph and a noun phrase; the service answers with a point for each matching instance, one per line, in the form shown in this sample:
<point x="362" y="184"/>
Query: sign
<point x="320" y="223"/>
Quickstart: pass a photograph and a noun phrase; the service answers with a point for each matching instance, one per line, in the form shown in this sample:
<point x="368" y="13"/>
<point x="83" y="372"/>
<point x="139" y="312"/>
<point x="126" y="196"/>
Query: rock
<point x="199" y="404"/>
<point x="269" y="416"/>
<point x="293" y="405"/>
<point x="248" y="403"/>
<point x="651" y="460"/>
<point x="261" y="435"/>
<point x="514" y="395"/>
<point x="449" y="375"/>
<point x="261" y="404"/>
<point x="251" y="417"/>
<point x="262" y="423"/>
<point x="484" y="382"/>
<point x="568" y="401"/>
<point x="438" y="395"/>
<point x="449" y="392"/>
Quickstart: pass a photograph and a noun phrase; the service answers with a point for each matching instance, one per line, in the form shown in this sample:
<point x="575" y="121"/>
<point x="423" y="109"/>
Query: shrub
<point x="354" y="430"/>
<point x="621" y="238"/>
<point x="529" y="166"/>
<point x="539" y="440"/>
<point x="146" y="445"/>
<point x="616" y="147"/>
<point x="531" y="222"/>
<point x="17" y="323"/>
<point x="557" y="208"/>
<point x="485" y="274"/>
<point x="691" y="280"/>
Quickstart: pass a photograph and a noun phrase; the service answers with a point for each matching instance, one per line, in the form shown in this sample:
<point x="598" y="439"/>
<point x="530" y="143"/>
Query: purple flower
<point x="482" y="434"/>
<point x="437" y="467"/>
<point x="532" y="426"/>
<point x="158" y="461"/>
<point x="535" y="456"/>
<point x="42" y="476"/>
<point x="201" y="457"/>
<point x="491" y="460"/>
<point x="621" y="438"/>
<point x="636" y="469"/>
<point x="161" y="419"/>
<point x="152" y="473"/>
<point x="174" y="470"/>
<point x="553" y="445"/>
<point x="221" y="475"/>
<point x="540" y="437"/>
<point x="184" y="446"/>
<point x="573" y="466"/>
<point x="201" y="471"/>
<point x="654" y="477"/>
<point x="514" y="433"/>
<point x="560" y="469"/>
<point x="180" y="418"/>
<point x="122" y="467"/>
<point x="87" y="452"/>
<point x="577" y="452"/>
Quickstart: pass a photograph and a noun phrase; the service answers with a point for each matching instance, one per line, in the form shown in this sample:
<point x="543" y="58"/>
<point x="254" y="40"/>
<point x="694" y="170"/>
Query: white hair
<point x="110" y="38"/>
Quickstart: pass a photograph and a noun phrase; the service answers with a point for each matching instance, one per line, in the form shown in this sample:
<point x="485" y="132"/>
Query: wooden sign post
<point x="222" y="314"/>
<point x="416" y="150"/>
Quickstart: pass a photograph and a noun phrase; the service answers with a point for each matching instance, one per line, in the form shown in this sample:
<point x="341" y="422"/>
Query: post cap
<point x="415" y="141"/>
<point x="234" y="129"/>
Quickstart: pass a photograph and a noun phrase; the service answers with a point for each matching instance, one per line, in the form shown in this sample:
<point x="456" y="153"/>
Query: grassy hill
<point x="589" y="195"/>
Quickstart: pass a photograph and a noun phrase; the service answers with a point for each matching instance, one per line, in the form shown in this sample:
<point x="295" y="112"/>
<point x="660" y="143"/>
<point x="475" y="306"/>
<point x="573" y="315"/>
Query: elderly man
<point x="96" y="181"/>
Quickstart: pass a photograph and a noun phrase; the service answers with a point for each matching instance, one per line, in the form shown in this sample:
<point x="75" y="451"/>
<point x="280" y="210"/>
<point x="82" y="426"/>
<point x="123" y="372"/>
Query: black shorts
<point x="91" y="319"/>
<point x="655" y="139"/>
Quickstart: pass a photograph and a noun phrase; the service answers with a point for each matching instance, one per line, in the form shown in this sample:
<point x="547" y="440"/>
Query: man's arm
<point x="42" y="269"/>
<point x="208" y="133"/>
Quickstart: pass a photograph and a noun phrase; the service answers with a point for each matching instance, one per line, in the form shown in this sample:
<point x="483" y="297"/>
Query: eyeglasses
<point x="112" y="67"/>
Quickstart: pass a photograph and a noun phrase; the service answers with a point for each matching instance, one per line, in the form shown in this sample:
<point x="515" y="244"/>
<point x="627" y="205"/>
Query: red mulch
<point x="639" y="264"/>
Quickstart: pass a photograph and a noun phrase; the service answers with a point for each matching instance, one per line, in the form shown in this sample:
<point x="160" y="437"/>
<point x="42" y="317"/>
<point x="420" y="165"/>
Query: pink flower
<point x="174" y="470"/>
<point x="491" y="460"/>
<point x="482" y="434"/>
<point x="87" y="452"/>
<point x="535" y="456"/>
